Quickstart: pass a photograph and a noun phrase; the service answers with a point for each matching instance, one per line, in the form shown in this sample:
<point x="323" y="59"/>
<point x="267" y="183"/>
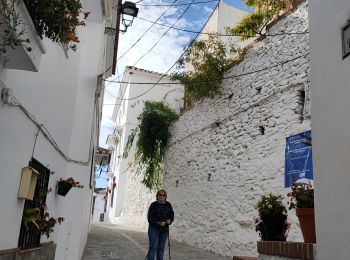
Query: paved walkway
<point x="116" y="242"/>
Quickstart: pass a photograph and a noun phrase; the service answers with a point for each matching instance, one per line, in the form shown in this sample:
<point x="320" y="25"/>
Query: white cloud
<point x="160" y="59"/>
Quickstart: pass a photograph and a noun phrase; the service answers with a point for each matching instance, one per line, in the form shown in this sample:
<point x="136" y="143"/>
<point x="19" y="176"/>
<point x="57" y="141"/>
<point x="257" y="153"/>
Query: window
<point x="31" y="237"/>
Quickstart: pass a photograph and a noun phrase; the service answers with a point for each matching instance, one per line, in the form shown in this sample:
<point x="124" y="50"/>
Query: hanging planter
<point x="63" y="187"/>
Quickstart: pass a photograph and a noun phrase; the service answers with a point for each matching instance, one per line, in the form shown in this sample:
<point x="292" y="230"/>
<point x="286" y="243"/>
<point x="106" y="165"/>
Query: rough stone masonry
<point x="227" y="151"/>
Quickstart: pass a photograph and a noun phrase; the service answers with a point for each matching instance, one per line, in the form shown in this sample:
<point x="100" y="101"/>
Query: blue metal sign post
<point x="298" y="158"/>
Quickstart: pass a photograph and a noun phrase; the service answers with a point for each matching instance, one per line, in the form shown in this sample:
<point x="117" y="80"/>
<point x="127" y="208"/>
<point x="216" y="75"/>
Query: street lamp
<point x="127" y="9"/>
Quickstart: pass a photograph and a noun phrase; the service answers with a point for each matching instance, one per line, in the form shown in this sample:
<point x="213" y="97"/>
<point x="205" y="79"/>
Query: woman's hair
<point x="164" y="191"/>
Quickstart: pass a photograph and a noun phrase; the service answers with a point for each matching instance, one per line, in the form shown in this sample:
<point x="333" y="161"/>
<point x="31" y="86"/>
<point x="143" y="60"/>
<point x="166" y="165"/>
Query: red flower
<point x="86" y="14"/>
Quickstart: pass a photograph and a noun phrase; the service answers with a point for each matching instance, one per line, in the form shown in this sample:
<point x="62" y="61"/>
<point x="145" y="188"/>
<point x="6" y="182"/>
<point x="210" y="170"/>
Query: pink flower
<point x="256" y="219"/>
<point x="288" y="224"/>
<point x="44" y="207"/>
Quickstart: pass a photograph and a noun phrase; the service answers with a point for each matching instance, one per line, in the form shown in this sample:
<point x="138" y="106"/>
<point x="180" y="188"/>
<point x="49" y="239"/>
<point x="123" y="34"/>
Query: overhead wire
<point x="199" y="2"/>
<point x="172" y="66"/>
<point x="158" y="42"/>
<point x="46" y="133"/>
<point x="217" y="79"/>
<point x="219" y="34"/>
<point x="155" y="44"/>
<point x="149" y="28"/>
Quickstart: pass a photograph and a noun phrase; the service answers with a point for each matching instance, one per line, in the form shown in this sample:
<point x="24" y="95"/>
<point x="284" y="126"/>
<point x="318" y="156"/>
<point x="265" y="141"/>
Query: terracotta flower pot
<point x="307" y="223"/>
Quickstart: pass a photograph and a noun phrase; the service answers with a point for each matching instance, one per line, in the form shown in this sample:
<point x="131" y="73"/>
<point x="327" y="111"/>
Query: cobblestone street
<point x="116" y="242"/>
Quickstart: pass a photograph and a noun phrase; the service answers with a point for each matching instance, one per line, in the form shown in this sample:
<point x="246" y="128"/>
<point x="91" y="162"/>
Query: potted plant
<point x="302" y="200"/>
<point x="272" y="223"/>
<point x="57" y="20"/>
<point x="33" y="218"/>
<point x="63" y="186"/>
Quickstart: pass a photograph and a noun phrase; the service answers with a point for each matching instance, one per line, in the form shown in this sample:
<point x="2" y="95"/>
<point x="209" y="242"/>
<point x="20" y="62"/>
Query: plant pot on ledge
<point x="307" y="223"/>
<point x="63" y="187"/>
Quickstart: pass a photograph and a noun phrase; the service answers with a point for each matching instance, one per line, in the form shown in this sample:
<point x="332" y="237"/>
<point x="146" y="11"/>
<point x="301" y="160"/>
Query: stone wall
<point x="227" y="151"/>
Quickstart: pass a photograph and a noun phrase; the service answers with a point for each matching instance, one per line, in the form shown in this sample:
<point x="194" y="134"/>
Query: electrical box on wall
<point x="28" y="182"/>
<point x="345" y="34"/>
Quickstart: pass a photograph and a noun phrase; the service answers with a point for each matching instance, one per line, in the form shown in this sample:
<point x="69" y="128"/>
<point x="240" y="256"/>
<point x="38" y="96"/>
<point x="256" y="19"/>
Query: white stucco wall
<point x="132" y="199"/>
<point x="61" y="97"/>
<point x="99" y="206"/>
<point x="221" y="137"/>
<point x="330" y="121"/>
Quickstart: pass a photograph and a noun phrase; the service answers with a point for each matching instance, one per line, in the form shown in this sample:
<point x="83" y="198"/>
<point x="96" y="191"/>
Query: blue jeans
<point x="157" y="240"/>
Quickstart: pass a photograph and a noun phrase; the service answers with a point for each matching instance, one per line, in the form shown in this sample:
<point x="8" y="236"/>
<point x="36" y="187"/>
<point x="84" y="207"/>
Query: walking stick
<point x="169" y="243"/>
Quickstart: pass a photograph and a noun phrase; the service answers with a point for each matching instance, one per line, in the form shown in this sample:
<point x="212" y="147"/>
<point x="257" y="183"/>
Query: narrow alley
<point x="122" y="243"/>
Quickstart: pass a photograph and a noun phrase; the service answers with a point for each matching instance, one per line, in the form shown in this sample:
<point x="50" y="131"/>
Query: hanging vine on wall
<point x="153" y="134"/>
<point x="253" y="24"/>
<point x="209" y="59"/>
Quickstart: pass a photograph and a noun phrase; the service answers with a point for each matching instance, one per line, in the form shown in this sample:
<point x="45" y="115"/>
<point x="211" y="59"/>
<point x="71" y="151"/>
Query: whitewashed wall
<point x="330" y="121"/>
<point x="61" y="96"/>
<point x="132" y="198"/>
<point x="222" y="137"/>
<point x="98" y="206"/>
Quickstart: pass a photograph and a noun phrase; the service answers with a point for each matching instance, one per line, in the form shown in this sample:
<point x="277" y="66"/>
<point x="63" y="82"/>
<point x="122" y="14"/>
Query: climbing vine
<point x="209" y="59"/>
<point x="153" y="134"/>
<point x="253" y="24"/>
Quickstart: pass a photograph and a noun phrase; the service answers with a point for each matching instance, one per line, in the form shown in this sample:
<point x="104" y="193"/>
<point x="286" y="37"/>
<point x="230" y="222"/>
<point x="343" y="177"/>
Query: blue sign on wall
<point x="298" y="158"/>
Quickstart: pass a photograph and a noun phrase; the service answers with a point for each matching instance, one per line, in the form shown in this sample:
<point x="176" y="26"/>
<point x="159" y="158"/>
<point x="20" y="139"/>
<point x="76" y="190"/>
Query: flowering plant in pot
<point x="57" y="20"/>
<point x="272" y="223"/>
<point x="40" y="220"/>
<point x="302" y="200"/>
<point x="63" y="186"/>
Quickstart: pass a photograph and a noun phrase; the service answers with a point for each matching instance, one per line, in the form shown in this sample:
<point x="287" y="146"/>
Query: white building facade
<point x="51" y="111"/>
<point x="330" y="124"/>
<point x="128" y="202"/>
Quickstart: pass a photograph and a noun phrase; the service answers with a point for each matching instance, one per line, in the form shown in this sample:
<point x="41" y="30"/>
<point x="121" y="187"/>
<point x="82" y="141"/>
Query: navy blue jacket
<point x="159" y="212"/>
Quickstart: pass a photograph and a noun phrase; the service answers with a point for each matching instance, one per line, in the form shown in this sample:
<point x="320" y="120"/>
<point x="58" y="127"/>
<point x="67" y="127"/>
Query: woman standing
<point x="160" y="216"/>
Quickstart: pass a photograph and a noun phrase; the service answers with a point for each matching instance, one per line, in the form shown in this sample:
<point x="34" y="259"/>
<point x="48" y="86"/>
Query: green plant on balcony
<point x="12" y="28"/>
<point x="57" y="20"/>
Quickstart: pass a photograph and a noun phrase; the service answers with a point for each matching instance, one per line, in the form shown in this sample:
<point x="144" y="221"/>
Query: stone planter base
<point x="276" y="250"/>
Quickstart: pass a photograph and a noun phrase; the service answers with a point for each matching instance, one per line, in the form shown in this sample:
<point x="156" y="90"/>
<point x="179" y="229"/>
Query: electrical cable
<point x="48" y="136"/>
<point x="211" y="80"/>
<point x="218" y="34"/>
<point x="199" y="2"/>
<point x="183" y="53"/>
<point x="154" y="45"/>
<point x="149" y="28"/>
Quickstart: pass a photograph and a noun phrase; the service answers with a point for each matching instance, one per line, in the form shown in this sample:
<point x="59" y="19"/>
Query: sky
<point x="163" y="55"/>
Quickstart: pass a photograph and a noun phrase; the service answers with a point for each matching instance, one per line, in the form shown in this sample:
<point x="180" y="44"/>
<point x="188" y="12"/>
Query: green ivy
<point x="209" y="59"/>
<point x="153" y="134"/>
<point x="252" y="24"/>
